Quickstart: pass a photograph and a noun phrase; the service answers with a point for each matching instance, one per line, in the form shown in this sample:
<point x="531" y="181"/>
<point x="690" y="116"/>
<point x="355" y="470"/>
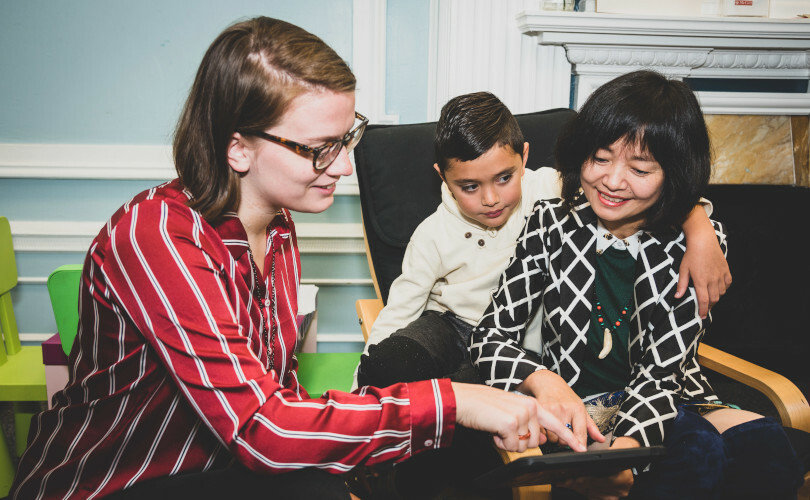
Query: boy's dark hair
<point x="470" y="125"/>
<point x="664" y="118"/>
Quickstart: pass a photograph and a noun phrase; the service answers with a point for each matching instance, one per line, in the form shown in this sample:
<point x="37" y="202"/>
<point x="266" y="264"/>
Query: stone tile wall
<point x="756" y="149"/>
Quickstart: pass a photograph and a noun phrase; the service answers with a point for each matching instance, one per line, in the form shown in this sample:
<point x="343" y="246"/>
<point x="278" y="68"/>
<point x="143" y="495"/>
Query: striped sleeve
<point x="174" y="282"/>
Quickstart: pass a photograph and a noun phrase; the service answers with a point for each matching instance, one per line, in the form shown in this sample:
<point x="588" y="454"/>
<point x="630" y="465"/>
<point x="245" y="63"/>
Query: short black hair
<point x="664" y="118"/>
<point x="471" y="124"/>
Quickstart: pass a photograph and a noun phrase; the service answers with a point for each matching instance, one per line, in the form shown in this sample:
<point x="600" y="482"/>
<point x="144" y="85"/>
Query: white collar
<point x="606" y="240"/>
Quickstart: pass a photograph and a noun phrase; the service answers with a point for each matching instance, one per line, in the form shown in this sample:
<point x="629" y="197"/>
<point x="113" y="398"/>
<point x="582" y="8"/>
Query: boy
<point x="456" y="256"/>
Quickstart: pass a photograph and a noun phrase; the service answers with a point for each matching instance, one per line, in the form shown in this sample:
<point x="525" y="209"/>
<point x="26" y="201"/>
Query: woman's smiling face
<point x="622" y="182"/>
<point x="277" y="177"/>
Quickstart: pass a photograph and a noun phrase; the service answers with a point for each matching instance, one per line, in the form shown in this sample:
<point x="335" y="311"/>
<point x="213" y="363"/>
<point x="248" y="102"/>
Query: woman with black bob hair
<point x="601" y="267"/>
<point x="664" y="118"/>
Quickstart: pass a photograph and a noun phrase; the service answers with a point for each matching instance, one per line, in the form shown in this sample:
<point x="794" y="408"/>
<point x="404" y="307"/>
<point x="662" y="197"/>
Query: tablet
<point x="557" y="467"/>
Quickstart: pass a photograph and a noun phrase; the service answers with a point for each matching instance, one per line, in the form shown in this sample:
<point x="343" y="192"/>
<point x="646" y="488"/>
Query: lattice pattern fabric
<point x="552" y="273"/>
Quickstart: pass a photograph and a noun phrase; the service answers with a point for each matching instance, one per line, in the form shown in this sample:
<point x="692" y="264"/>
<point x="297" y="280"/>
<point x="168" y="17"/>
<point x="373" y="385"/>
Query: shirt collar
<point x="606" y="240"/>
<point x="233" y="234"/>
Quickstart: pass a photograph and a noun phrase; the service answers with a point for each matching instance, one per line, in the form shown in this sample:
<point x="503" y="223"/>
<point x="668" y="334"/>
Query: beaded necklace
<point x="607" y="341"/>
<point x="270" y="340"/>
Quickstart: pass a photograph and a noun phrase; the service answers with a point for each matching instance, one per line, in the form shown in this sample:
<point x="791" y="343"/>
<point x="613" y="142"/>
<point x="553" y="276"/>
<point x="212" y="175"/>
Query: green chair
<point x="22" y="373"/>
<point x="317" y="371"/>
<point x="63" y="288"/>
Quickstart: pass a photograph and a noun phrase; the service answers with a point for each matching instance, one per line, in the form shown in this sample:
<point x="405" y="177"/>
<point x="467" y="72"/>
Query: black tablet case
<point x="557" y="467"/>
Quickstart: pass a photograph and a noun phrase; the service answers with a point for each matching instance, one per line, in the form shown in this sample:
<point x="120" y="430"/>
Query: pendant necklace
<point x="270" y="340"/>
<point x="609" y="329"/>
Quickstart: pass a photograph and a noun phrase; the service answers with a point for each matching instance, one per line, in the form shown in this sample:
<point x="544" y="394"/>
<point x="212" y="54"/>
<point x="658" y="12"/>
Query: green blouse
<point x="613" y="288"/>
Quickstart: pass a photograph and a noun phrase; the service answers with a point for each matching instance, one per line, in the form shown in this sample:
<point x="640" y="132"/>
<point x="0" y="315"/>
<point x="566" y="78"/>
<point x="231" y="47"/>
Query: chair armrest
<point x="785" y="396"/>
<point x="367" y="311"/>
<point x="528" y="492"/>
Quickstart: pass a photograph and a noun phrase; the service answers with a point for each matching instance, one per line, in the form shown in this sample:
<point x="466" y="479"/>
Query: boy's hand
<point x="556" y="396"/>
<point x="703" y="263"/>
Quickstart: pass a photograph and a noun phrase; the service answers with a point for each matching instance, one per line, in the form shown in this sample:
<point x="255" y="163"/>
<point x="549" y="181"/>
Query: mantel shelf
<point x="601" y="46"/>
<point x="560" y="28"/>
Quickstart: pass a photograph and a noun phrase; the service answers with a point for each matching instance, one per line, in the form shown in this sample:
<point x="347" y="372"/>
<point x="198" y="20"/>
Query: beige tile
<point x="800" y="126"/>
<point x="751" y="149"/>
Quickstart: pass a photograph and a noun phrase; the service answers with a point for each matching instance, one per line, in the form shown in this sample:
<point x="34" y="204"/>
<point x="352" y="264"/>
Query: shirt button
<point x="428" y="443"/>
<point x="481" y="243"/>
<point x="468" y="235"/>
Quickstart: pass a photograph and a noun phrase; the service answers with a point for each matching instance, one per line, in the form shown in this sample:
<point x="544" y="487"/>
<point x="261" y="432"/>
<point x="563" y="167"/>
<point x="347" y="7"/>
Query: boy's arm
<point x="704" y="262"/>
<point x="408" y="294"/>
<point x="407" y="297"/>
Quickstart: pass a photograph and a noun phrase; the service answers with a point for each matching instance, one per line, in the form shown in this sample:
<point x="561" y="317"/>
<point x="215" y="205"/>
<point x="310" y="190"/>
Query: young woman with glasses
<point x="183" y="380"/>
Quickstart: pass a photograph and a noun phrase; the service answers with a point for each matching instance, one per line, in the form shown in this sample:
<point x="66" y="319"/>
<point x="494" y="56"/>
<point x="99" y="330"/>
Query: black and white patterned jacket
<point x="553" y="269"/>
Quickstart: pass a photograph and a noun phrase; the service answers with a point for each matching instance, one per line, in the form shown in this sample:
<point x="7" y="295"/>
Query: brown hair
<point x="246" y="80"/>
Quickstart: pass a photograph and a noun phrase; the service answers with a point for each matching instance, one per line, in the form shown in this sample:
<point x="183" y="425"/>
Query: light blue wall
<point x="407" y="59"/>
<point x="117" y="72"/>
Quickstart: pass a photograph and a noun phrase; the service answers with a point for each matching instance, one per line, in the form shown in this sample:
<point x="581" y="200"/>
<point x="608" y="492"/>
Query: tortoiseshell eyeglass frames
<point x="322" y="156"/>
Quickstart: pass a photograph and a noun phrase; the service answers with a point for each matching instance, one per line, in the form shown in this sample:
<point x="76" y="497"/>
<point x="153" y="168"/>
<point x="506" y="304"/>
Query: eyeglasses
<point x="322" y="156"/>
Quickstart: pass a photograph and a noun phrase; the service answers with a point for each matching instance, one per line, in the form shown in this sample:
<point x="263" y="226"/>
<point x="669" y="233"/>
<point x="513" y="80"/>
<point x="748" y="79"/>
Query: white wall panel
<point x="477" y="45"/>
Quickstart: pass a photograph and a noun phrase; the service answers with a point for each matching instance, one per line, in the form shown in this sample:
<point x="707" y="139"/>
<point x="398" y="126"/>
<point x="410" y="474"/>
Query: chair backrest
<point x="63" y="288"/>
<point x="8" y="280"/>
<point x="399" y="188"/>
<point x="763" y="318"/>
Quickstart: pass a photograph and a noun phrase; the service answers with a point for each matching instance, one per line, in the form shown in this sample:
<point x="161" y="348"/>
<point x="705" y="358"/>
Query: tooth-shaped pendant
<point x="607" y="344"/>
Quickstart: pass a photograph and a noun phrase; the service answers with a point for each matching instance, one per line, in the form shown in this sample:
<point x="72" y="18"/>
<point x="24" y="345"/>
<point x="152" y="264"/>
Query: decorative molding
<point x="779" y="64"/>
<point x="597" y="56"/>
<point x="86" y="161"/>
<point x="602" y="46"/>
<point x="337" y="281"/>
<point x="559" y="28"/>
<point x="91" y="161"/>
<point x="340" y="337"/>
<point x="475" y="46"/>
<point x="72" y="236"/>
<point x="754" y="103"/>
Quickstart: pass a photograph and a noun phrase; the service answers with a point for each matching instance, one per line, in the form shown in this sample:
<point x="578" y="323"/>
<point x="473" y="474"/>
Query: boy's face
<point x="487" y="188"/>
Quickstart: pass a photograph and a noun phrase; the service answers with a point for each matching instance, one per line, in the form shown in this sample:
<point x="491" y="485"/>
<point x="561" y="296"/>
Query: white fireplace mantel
<point x="602" y="46"/>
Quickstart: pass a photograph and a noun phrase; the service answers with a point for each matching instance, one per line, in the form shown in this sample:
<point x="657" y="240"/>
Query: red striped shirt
<point x="170" y="373"/>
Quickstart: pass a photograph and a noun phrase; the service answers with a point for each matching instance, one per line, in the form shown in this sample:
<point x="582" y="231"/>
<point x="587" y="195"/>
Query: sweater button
<point x="481" y="243"/>
<point x="428" y="443"/>
<point x="467" y="235"/>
